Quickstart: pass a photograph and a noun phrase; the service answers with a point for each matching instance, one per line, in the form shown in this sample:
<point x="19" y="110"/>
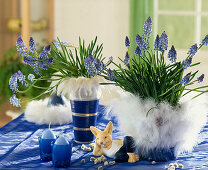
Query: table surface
<point x="19" y="147"/>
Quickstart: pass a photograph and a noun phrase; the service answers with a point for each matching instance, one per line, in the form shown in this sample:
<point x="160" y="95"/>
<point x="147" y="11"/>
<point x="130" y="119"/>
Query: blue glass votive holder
<point x="45" y="149"/>
<point x="61" y="155"/>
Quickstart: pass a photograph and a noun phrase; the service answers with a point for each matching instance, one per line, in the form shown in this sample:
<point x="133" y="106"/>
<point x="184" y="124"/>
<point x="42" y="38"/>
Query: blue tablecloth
<point x="19" y="147"/>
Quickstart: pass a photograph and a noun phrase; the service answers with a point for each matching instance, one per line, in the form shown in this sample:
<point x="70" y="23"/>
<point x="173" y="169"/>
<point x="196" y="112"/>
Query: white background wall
<point x="107" y="19"/>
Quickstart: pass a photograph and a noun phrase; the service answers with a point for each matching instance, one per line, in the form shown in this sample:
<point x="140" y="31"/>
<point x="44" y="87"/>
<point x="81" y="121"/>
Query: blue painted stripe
<point x="83" y="136"/>
<point x="84" y="106"/>
<point x="84" y="122"/>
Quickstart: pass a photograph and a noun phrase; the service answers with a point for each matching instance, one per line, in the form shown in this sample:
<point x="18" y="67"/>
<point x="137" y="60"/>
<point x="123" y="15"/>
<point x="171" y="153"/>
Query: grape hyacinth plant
<point x="63" y="58"/>
<point x="164" y="122"/>
<point x="146" y="74"/>
<point x="31" y="56"/>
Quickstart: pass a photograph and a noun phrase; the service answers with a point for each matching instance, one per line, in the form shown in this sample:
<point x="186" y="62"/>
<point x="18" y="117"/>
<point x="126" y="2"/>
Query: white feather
<point x="87" y="89"/>
<point x="165" y="126"/>
<point x="38" y="112"/>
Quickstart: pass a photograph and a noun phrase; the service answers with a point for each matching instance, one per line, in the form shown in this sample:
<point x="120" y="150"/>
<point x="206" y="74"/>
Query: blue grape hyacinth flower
<point x="143" y="45"/>
<point x="31" y="57"/>
<point x="192" y="51"/>
<point x="58" y="45"/>
<point x="43" y="61"/>
<point x="21" y="47"/>
<point x="163" y="42"/>
<point x="89" y="65"/>
<point x="200" y="78"/>
<point x="15" y="101"/>
<point x="32" y="46"/>
<point x="147" y="28"/>
<point x="111" y="58"/>
<point x="127" y="42"/>
<point x="126" y="59"/>
<point x="31" y="77"/>
<point x="20" y="77"/>
<point x="100" y="66"/>
<point x="110" y="75"/>
<point x="30" y="60"/>
<point x="186" y="79"/>
<point x="13" y="81"/>
<point x="172" y="54"/>
<point x="205" y="40"/>
<point x="47" y="49"/>
<point x="137" y="51"/>
<point x="187" y="63"/>
<point x="156" y="43"/>
<point x="94" y="66"/>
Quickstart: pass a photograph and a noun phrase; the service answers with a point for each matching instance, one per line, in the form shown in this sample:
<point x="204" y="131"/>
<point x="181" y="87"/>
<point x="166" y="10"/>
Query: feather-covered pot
<point x="166" y="131"/>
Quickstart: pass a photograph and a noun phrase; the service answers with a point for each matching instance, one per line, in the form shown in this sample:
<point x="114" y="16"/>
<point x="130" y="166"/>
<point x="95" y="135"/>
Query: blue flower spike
<point x="99" y="66"/>
<point x="172" y="54"/>
<point x="47" y="49"/>
<point x="163" y="42"/>
<point x="21" y="48"/>
<point x="156" y="43"/>
<point x="13" y="81"/>
<point x="15" y="101"/>
<point x="40" y="62"/>
<point x="186" y="79"/>
<point x="127" y="42"/>
<point x="58" y="45"/>
<point x="147" y="28"/>
<point x="126" y="59"/>
<point x="89" y="65"/>
<point x="205" y="40"/>
<point x="94" y="66"/>
<point x="137" y="51"/>
<point x="32" y="46"/>
<point x="31" y="77"/>
<point x="187" y="63"/>
<point x="111" y="58"/>
<point x="200" y="78"/>
<point x="192" y="51"/>
<point x="110" y="75"/>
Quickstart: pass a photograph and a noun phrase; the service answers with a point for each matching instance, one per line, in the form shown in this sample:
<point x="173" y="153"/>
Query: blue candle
<point x="61" y="141"/>
<point x="61" y="153"/>
<point x="45" y="145"/>
<point x="48" y="134"/>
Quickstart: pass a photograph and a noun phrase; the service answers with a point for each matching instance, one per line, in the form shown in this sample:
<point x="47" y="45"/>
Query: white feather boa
<point x="82" y="88"/>
<point x="38" y="112"/>
<point x="165" y="126"/>
<point x="76" y="89"/>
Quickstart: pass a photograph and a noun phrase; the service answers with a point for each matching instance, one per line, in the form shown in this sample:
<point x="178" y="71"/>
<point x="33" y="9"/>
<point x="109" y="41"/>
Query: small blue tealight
<point x="61" y="153"/>
<point x="45" y="145"/>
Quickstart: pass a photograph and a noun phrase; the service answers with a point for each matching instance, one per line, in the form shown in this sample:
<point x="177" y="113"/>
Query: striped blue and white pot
<point x="84" y="114"/>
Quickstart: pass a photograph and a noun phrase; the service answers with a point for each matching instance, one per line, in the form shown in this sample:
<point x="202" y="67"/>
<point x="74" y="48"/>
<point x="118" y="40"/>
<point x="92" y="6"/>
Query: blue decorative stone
<point x="56" y="100"/>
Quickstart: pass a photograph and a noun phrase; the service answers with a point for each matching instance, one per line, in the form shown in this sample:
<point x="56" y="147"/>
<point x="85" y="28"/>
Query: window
<point x="186" y="23"/>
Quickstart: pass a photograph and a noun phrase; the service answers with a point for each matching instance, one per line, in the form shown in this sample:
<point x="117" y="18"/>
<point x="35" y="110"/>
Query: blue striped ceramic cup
<point x="84" y="115"/>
